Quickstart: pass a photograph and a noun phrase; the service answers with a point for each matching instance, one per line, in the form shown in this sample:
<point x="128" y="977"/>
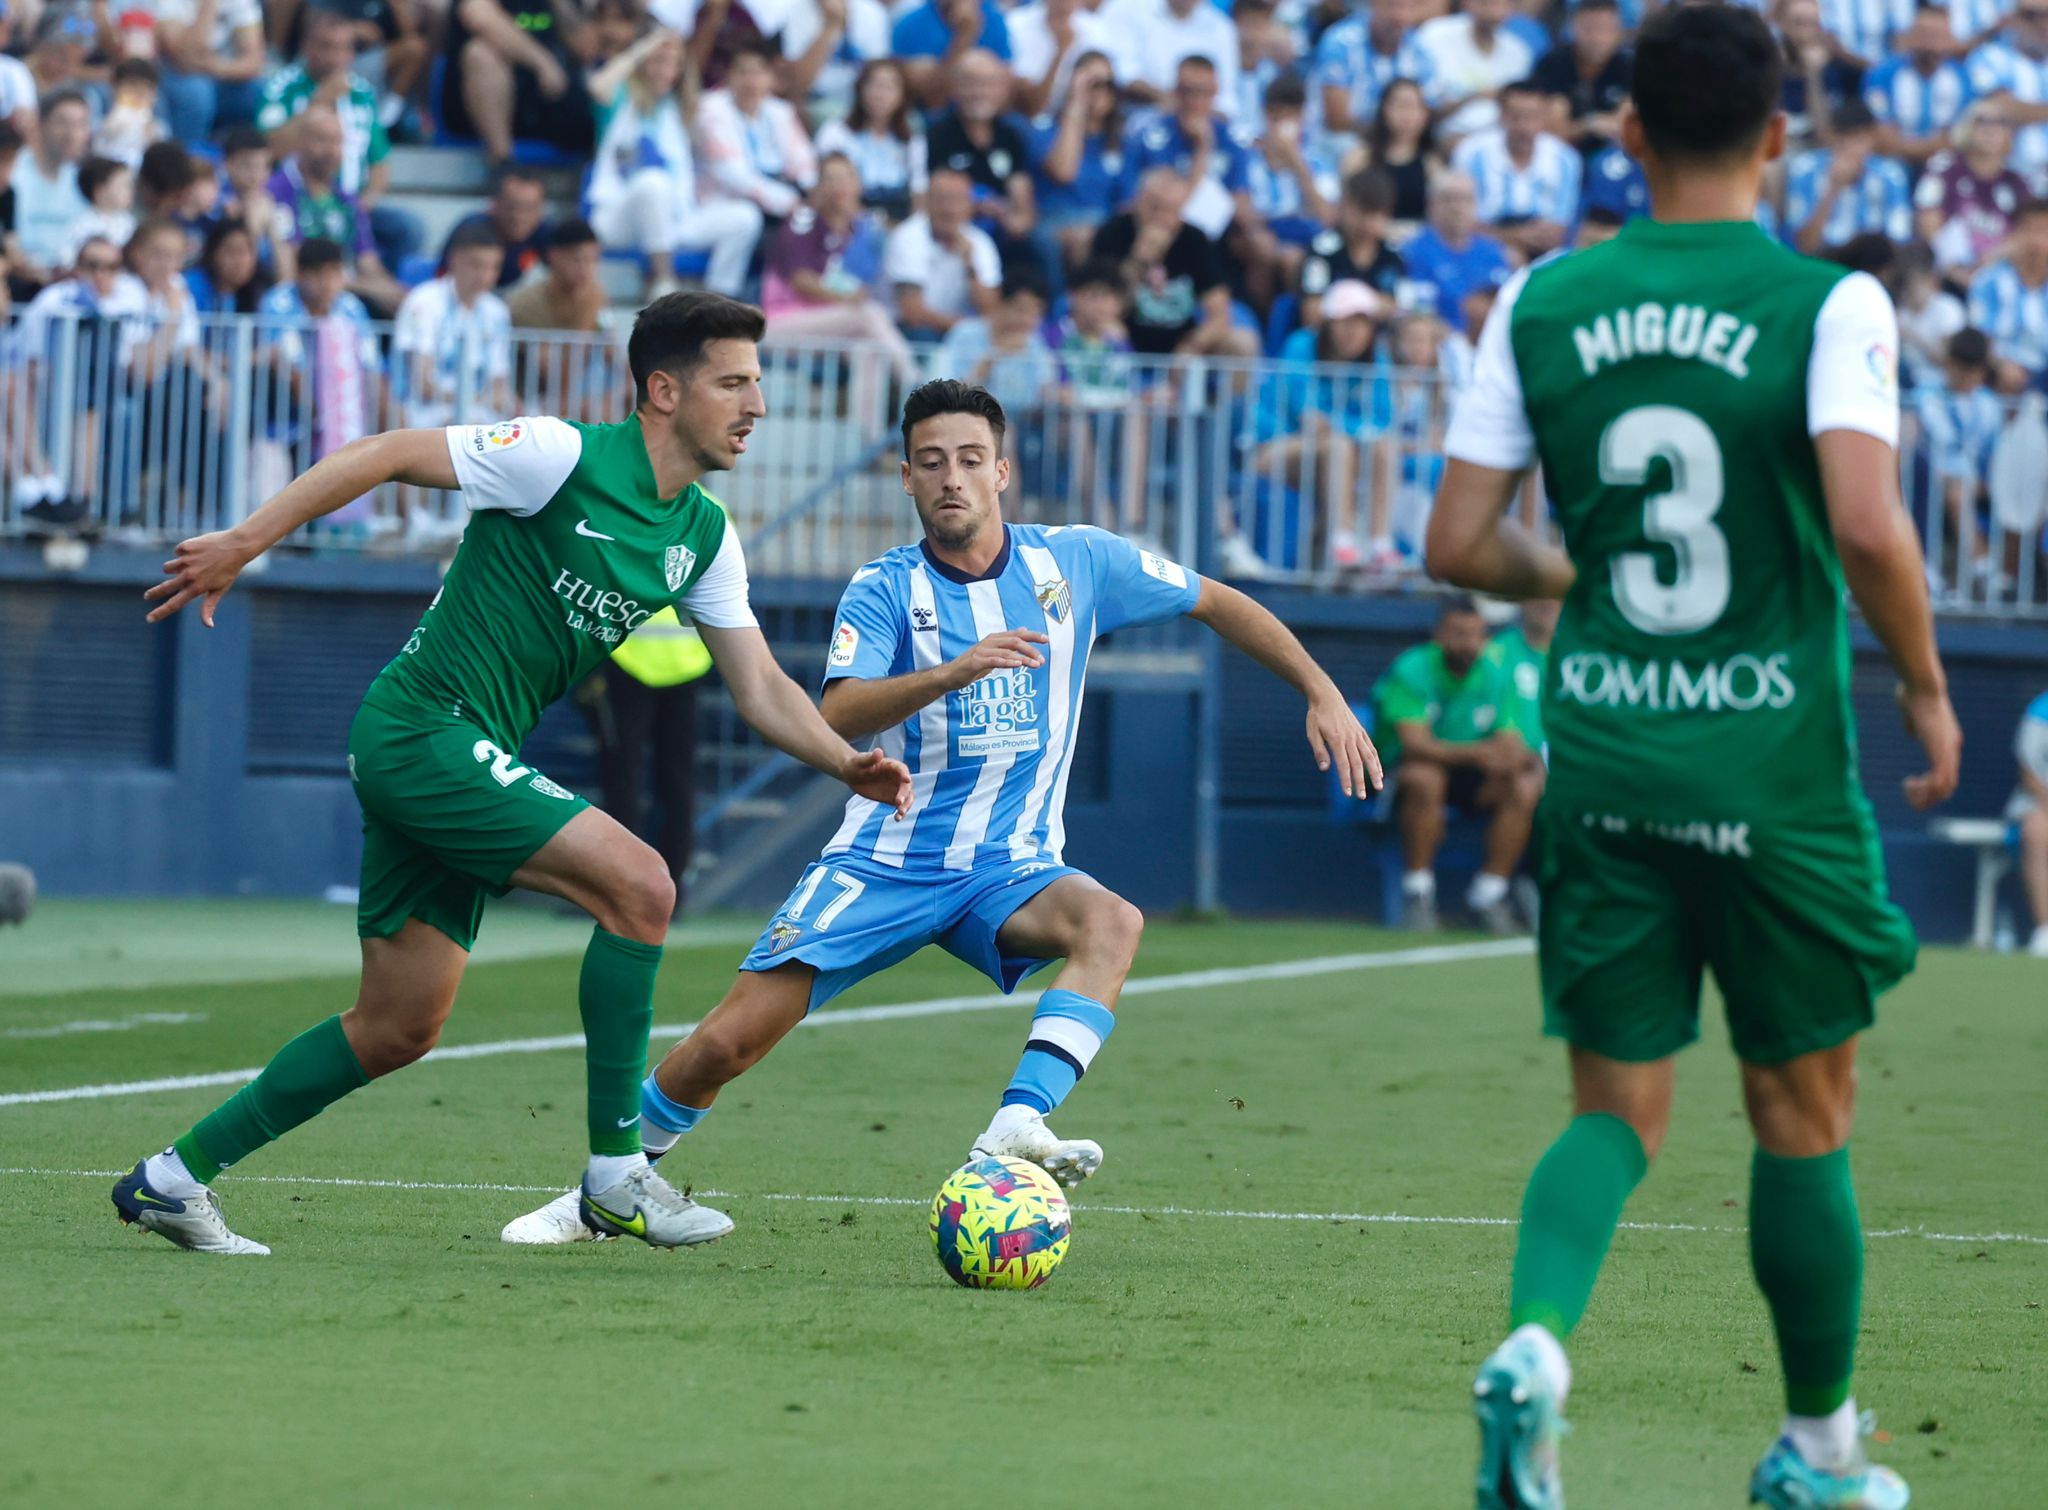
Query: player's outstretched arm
<point x="1334" y="732"/>
<point x="782" y="713"/>
<point x="1474" y="544"/>
<point x="1886" y="574"/>
<point x="206" y="566"/>
<point x="860" y="706"/>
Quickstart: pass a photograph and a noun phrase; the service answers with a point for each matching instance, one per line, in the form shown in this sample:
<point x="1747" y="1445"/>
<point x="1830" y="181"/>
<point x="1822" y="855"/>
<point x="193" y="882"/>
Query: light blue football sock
<point x="663" y="1121"/>
<point x="1066" y="1031"/>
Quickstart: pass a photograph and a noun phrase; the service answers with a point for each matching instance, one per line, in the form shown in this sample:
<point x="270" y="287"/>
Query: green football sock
<point x="1806" y="1246"/>
<point x="616" y="994"/>
<point x="308" y="1075"/>
<point x="1569" y="1213"/>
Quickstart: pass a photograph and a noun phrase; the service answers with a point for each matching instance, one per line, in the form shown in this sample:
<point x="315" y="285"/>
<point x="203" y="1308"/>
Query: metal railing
<point x="1316" y="474"/>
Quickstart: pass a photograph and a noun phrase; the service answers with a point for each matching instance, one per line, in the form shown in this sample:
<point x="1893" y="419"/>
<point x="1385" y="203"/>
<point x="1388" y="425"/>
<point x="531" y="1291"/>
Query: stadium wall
<point x="176" y="760"/>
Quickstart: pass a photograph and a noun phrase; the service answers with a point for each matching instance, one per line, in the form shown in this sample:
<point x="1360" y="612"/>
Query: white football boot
<point x="646" y="1206"/>
<point x="1020" y="1133"/>
<point x="194" y="1223"/>
<point x="559" y="1221"/>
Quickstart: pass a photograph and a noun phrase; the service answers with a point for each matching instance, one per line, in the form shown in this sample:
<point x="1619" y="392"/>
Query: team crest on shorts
<point x="1056" y="598"/>
<point x="781" y="936"/>
<point x="678" y="564"/>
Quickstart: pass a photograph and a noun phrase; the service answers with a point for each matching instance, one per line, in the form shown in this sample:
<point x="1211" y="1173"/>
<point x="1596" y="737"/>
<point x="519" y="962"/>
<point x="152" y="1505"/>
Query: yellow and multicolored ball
<point x="1001" y="1224"/>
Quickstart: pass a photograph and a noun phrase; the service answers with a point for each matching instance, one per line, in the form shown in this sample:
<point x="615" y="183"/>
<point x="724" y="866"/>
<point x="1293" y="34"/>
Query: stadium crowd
<point x="1057" y="194"/>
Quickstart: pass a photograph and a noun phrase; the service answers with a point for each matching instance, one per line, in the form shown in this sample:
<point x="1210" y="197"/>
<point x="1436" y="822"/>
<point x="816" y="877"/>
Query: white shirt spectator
<point x="1867" y="27"/>
<point x="73" y="299"/>
<point x="17" y="88"/>
<point x="1032" y="46"/>
<point x="866" y="36"/>
<point x="1998" y="67"/>
<point x="947" y="278"/>
<point x="885" y="164"/>
<point x="767" y="158"/>
<point x="229" y="17"/>
<point x="1881" y="200"/>
<point x="1458" y="67"/>
<point x="469" y="351"/>
<point x="643" y="197"/>
<point x="44" y="209"/>
<point x="109" y="225"/>
<point x="1150" y="41"/>
<point x="1547" y="189"/>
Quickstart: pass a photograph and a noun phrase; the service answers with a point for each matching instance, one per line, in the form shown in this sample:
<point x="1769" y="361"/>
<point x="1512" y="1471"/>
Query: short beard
<point x="952" y="538"/>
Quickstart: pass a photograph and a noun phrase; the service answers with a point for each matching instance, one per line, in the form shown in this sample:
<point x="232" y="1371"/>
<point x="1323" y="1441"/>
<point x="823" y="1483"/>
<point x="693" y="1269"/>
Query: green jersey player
<point x="579" y="534"/>
<point x="1715" y="417"/>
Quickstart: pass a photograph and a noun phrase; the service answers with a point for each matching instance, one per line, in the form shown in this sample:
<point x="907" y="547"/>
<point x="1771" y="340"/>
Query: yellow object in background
<point x="663" y="653"/>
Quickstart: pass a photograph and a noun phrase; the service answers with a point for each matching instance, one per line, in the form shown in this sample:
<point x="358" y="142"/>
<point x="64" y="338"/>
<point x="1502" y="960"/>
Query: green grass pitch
<point x="1370" y="1128"/>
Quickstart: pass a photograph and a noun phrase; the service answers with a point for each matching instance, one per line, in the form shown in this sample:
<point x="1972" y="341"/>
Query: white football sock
<point x="656" y="1141"/>
<point x="1825" y="1441"/>
<point x="607" y="1169"/>
<point x="167" y="1175"/>
<point x="1418" y="883"/>
<point x="1487" y="888"/>
<point x="1007" y="1119"/>
<point x="1557" y="1369"/>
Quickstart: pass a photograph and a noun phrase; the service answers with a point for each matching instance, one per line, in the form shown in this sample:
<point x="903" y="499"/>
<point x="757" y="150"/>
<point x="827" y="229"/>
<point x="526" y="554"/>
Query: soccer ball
<point x="1000" y="1224"/>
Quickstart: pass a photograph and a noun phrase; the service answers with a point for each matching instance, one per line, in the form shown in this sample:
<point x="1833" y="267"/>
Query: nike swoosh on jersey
<point x="583" y="528"/>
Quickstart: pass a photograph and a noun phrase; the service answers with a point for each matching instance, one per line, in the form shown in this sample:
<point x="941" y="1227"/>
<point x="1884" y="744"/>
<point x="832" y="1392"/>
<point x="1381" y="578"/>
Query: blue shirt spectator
<point x="923" y="32"/>
<point x="1448" y="258"/>
<point x="1835" y="194"/>
<point x="1164" y="141"/>
<point x="1615" y="181"/>
<point x="1971" y="19"/>
<point x="1360" y="56"/>
<point x="1921" y="92"/>
<point x="1543" y="187"/>
<point x="2016" y="63"/>
<point x="1959" y="429"/>
<point x="2009" y="299"/>
<point x="1091" y="196"/>
<point x="1866" y="27"/>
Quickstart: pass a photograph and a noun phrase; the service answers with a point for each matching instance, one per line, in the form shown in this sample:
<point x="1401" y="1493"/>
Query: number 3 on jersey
<point x="850" y="889"/>
<point x="1682" y="518"/>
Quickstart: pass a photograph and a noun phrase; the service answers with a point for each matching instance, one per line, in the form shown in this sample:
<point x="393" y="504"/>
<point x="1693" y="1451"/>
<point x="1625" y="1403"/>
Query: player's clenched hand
<point x="204" y="567"/>
<point x="875" y="775"/>
<point x="1000" y="651"/>
<point x="1931" y="719"/>
<point x="1336" y="736"/>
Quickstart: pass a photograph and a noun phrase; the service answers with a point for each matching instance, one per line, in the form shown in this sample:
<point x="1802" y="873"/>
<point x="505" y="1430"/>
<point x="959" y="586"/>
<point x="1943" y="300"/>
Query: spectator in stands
<point x="1587" y="80"/>
<point x="167" y="374"/>
<point x="570" y="296"/>
<point x="1410" y="407"/>
<point x="754" y="145"/>
<point x="1864" y="32"/>
<point x="1265" y="54"/>
<point x="643" y="193"/>
<point x="2029" y="810"/>
<point x="131" y="127"/>
<point x="825" y="45"/>
<point x="307" y="186"/>
<point x="247" y="166"/>
<point x="1966" y="198"/>
<point x="1835" y="193"/>
<point x="61" y="57"/>
<point x="1928" y="315"/>
<point x="453" y="336"/>
<point x="1918" y="95"/>
<point x="17" y="85"/>
<point x="1005" y="352"/>
<point x="879" y="137"/>
<point x="45" y="183"/>
<point x="1615" y="190"/>
<point x="1077" y="160"/>
<point x="109" y="189"/>
<point x="170" y="183"/>
<point x="392" y="50"/>
<point x="1402" y="139"/>
<point x="1180" y="304"/>
<point x="819" y="284"/>
<point x="1449" y="258"/>
<point x="2011" y="72"/>
<point x="11" y="145"/>
<point x="1960" y="419"/>
<point x="1527" y="180"/>
<point x="1047" y="40"/>
<point x="2009" y="300"/>
<point x="1817" y="79"/>
<point x="941" y="267"/>
<point x="211" y="56"/>
<point x="320" y="370"/>
<point x="1445" y="741"/>
<point x="1356" y="249"/>
<point x="578" y="380"/>
<point x="1153" y="37"/>
<point x="1088" y="341"/>
<point x="512" y="75"/>
<point x="976" y="136"/>
<point x="1358" y="60"/>
<point x="932" y="38"/>
<point x="1194" y="139"/>
<point x="1472" y="55"/>
<point x="518" y="212"/>
<point x="227" y="279"/>
<point x="1092" y="359"/>
<point x="325" y="73"/>
<point x="1292" y="186"/>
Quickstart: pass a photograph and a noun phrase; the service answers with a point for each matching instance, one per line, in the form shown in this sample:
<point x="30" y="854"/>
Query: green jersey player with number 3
<point x="1715" y="417"/>
<point x="578" y="535"/>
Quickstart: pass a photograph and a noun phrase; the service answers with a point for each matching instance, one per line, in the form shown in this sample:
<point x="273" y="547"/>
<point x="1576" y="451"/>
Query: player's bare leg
<point x="1096" y="932"/>
<point x="1421" y="788"/>
<point x="626" y="888"/>
<point x="407" y="989"/>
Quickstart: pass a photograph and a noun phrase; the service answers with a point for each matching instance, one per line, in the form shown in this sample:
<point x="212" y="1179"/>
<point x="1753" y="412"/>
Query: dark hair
<point x="575" y="231"/>
<point x="316" y="252"/>
<point x="898" y="123"/>
<point x="243" y="139"/>
<point x="1613" y="7"/>
<point x="1457" y="603"/>
<point x="1872" y="252"/>
<point x="1113" y="123"/>
<point x="167" y="168"/>
<point x="10" y="139"/>
<point x="951" y="396"/>
<point x="155" y="225"/>
<point x="672" y="332"/>
<point x="1024" y="279"/>
<point x="137" y="70"/>
<point x="1252" y="8"/>
<point x="1379" y="137"/>
<point x="505" y="173"/>
<point x="1602" y="214"/>
<point x="1196" y="60"/>
<point x="1372" y="190"/>
<point x="1287" y="92"/>
<point x="1707" y="80"/>
<point x="472" y="235"/>
<point x="217" y="234"/>
<point x="1524" y="86"/>
<point x="759" y="48"/>
<point x="57" y="97"/>
<point x="94" y="172"/>
<point x="318" y="16"/>
<point x="1852" y="115"/>
<point x="1098" y="272"/>
<point x="1970" y="347"/>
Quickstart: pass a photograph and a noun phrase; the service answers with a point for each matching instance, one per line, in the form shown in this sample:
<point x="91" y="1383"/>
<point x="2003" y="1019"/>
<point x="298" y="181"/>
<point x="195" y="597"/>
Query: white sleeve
<point x="1490" y="424"/>
<point x="516" y="465"/>
<point x="411" y="327"/>
<point x="983" y="259"/>
<point x="1852" y="378"/>
<point x="719" y="597"/>
<point x="900" y="260"/>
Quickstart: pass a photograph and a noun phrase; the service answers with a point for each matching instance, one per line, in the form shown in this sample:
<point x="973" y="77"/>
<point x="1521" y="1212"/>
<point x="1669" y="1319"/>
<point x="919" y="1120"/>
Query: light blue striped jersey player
<point x="989" y="764"/>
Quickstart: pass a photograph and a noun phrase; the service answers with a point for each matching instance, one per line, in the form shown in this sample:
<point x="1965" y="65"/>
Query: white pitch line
<point x="107" y="1024"/>
<point x="941" y="1006"/>
<point x="1334" y="1218"/>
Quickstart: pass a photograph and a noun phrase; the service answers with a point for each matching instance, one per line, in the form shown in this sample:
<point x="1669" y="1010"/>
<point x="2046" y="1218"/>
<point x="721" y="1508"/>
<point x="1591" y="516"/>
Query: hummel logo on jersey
<point x="583" y="528"/>
<point x="923" y="619"/>
<point x="678" y="564"/>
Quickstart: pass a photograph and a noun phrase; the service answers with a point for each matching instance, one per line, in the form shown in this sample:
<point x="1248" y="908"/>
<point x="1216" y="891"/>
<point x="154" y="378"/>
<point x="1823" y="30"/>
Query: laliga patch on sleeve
<point x="1883" y="365"/>
<point x="1165" y="570"/>
<point x="845" y="641"/>
<point x="485" y="439"/>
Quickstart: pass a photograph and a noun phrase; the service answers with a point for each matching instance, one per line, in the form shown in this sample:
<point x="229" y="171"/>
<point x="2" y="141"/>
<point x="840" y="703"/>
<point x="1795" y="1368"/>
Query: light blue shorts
<point x="850" y="918"/>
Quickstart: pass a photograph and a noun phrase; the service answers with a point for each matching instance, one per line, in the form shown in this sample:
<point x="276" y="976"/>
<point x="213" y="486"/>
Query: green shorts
<point x="1794" y="923"/>
<point x="448" y="817"/>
